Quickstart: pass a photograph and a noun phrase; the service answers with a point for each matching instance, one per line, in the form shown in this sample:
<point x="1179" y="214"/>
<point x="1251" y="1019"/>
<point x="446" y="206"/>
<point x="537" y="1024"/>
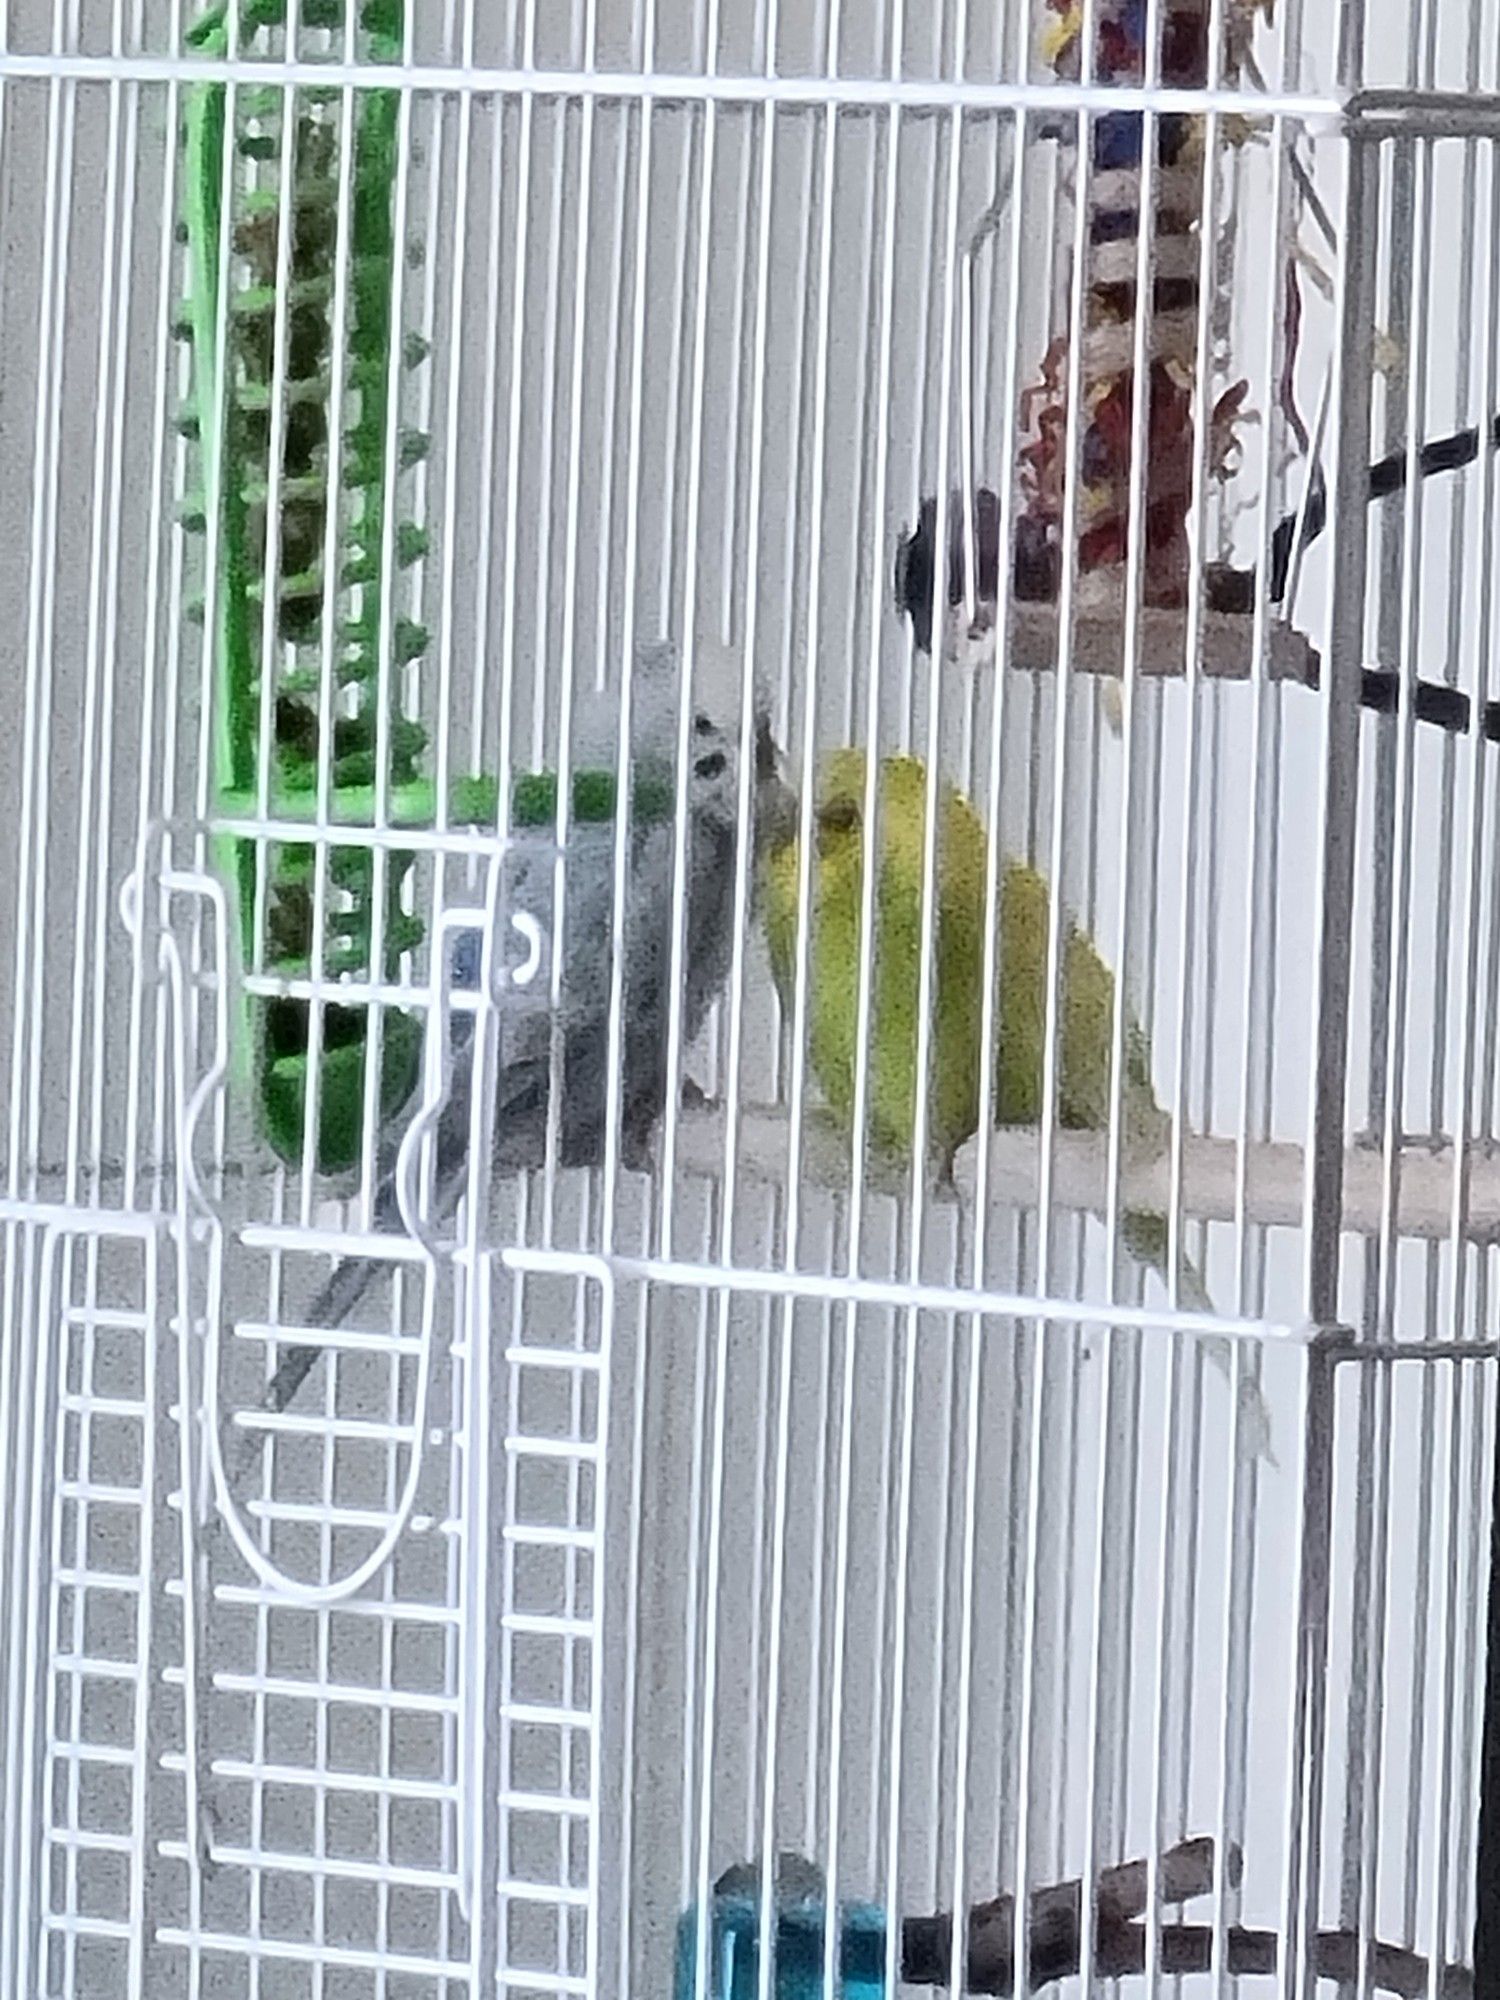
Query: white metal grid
<point x="683" y="38"/>
<point x="95" y="1615"/>
<point x="692" y="277"/>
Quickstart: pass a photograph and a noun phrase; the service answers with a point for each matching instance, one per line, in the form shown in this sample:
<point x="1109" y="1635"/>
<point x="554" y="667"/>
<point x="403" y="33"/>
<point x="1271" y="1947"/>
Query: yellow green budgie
<point x="1088" y="994"/>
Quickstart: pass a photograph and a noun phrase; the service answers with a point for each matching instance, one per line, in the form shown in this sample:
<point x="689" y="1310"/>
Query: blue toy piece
<point x="733" y="1969"/>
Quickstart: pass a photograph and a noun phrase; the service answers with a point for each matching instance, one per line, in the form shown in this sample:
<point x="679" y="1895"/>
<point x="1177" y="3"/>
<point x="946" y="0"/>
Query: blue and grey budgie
<point x="523" y="1085"/>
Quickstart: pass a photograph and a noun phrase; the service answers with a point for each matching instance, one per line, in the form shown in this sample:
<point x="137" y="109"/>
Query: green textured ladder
<point x="272" y="1038"/>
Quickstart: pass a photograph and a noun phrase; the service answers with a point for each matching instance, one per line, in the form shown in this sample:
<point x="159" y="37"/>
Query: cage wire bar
<point x="756" y="1567"/>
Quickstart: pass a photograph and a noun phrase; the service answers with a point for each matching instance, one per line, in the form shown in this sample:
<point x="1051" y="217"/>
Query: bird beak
<point x="767" y="757"/>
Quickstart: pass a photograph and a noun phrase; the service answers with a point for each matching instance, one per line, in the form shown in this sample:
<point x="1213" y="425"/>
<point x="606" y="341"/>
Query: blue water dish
<point x="733" y="1967"/>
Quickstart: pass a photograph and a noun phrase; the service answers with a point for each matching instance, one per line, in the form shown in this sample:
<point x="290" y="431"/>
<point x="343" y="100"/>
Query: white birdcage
<point x="652" y="1520"/>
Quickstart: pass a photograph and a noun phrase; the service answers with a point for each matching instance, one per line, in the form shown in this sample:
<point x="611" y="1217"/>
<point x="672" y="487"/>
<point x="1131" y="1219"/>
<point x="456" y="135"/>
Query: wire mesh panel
<point x="96" y="1664"/>
<point x="873" y="1546"/>
<point x="624" y="1328"/>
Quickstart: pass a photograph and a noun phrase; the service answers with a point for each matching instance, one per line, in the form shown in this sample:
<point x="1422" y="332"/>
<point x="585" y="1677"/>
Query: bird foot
<point x="1370" y="1140"/>
<point x="1434" y="1143"/>
<point x="825" y="1137"/>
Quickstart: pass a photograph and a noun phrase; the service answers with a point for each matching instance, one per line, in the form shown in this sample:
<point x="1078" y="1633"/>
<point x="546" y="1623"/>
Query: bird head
<point x="713" y="776"/>
<point x="714" y="781"/>
<point x="841" y="805"/>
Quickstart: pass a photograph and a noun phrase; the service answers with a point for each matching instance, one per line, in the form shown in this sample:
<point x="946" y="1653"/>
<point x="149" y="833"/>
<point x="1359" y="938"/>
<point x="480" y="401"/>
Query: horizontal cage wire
<point x="750" y="1137"/>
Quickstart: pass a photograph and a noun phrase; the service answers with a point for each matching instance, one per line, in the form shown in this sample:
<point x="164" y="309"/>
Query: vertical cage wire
<point x="924" y="1547"/>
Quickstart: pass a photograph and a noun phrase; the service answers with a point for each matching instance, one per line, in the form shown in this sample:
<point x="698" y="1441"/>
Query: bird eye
<point x="713" y="765"/>
<point x="838" y="816"/>
<point x="703" y="726"/>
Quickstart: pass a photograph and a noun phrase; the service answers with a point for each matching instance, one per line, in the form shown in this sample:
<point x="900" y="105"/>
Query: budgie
<point x="523" y="1084"/>
<point x="1085" y="1027"/>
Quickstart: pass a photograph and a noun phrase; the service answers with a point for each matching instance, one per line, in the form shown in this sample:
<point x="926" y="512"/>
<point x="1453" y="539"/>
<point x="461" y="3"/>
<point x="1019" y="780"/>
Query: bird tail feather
<point x="1145" y="1237"/>
<point x="346" y="1286"/>
<point x="520" y="1091"/>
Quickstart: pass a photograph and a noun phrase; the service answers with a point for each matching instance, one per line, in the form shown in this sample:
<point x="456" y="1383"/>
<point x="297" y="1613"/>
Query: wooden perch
<point x="1185" y="1871"/>
<point x="1121" y="1948"/>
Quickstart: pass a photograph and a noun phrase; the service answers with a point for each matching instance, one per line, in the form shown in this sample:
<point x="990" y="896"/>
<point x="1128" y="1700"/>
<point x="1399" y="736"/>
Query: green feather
<point x="1087" y="1000"/>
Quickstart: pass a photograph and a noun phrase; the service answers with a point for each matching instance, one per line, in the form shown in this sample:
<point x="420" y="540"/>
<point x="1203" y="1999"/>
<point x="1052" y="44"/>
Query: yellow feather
<point x="957" y="972"/>
<point x="1085" y="1028"/>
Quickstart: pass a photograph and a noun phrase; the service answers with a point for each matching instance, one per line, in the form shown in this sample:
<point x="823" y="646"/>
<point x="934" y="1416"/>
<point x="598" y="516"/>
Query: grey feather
<point x="351" y="1279"/>
<point x="581" y="1021"/>
<point x="1145" y="1238"/>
